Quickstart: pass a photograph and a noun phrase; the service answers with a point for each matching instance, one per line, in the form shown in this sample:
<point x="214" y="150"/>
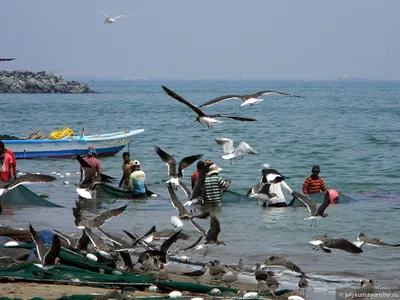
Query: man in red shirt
<point x="93" y="161"/>
<point x="6" y="166"/>
<point x="14" y="161"/>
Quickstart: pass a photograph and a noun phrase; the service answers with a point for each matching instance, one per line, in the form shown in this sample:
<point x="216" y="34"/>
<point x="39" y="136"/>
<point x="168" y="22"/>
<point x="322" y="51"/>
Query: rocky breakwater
<point x="39" y="82"/>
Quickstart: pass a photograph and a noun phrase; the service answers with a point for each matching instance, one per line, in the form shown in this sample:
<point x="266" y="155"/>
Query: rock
<point x="39" y="82"/>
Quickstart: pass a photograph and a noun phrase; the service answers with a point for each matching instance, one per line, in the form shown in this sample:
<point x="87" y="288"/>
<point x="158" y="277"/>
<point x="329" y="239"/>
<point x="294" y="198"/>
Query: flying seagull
<point x="195" y="196"/>
<point x="364" y="239"/>
<point x="76" y="244"/>
<point x="24" y="179"/>
<point x="315" y="213"/>
<point x="211" y="235"/>
<point x="247" y="100"/>
<point x="202" y="118"/>
<point x="7" y="59"/>
<point x="81" y="222"/>
<point x="47" y="258"/>
<point x="110" y="20"/>
<point x="183" y="213"/>
<point x="171" y="164"/>
<point x="87" y="185"/>
<point x="232" y="152"/>
<point x="282" y="261"/>
<point x="326" y="244"/>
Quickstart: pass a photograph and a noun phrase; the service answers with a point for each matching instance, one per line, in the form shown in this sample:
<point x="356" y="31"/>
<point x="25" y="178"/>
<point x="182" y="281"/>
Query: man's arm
<point x="305" y="185"/>
<point x="323" y="187"/>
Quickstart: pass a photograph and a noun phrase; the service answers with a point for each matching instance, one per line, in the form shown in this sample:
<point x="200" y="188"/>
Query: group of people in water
<point x="134" y="179"/>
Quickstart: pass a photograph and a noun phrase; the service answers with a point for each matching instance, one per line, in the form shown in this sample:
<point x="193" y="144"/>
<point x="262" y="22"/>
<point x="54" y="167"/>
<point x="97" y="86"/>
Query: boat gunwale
<point x="78" y="139"/>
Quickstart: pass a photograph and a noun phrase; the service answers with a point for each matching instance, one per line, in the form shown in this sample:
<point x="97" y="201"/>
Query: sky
<point x="219" y="39"/>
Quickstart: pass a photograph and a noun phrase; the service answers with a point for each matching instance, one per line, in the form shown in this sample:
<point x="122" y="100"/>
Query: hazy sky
<point x="297" y="39"/>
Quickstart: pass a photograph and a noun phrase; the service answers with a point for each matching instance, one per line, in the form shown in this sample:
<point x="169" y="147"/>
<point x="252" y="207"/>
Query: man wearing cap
<point x="126" y="170"/>
<point x="214" y="186"/>
<point x="137" y="180"/>
<point x="313" y="184"/>
<point x="207" y="163"/>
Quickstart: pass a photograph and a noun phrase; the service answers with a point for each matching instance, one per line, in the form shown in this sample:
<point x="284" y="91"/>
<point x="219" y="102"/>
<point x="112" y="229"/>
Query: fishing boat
<point x="107" y="144"/>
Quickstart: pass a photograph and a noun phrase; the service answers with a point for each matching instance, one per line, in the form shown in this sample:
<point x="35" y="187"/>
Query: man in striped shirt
<point x="314" y="184"/>
<point x="214" y="186"/>
<point x="93" y="162"/>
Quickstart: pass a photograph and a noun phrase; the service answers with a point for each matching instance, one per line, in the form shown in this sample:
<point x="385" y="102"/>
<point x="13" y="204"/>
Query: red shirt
<point x="193" y="178"/>
<point x="14" y="161"/>
<point x="95" y="164"/>
<point x="5" y="167"/>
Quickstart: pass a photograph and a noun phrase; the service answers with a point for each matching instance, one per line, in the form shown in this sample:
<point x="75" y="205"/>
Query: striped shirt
<point x="213" y="188"/>
<point x="313" y="186"/>
<point x="95" y="164"/>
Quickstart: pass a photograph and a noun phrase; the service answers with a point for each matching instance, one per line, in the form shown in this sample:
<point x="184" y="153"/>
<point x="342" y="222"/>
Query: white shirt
<point x="277" y="188"/>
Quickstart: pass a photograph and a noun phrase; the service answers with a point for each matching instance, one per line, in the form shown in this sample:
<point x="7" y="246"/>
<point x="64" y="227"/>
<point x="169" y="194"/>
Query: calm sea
<point x="350" y="129"/>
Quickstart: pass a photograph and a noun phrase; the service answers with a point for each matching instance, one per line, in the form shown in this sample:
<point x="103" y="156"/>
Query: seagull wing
<point x="214" y="230"/>
<point x="243" y="119"/>
<point x="102" y="13"/>
<point x="139" y="239"/>
<point x="70" y="240"/>
<point x="82" y="162"/>
<point x="324" y="205"/>
<point x="311" y="206"/>
<point x="191" y="246"/>
<point x="184" y="101"/>
<point x="97" y="242"/>
<point x="227" y="144"/>
<point x="175" y="201"/>
<point x="167" y="243"/>
<point x="114" y="239"/>
<point x="83" y="241"/>
<point x="280" y="261"/>
<point x="342" y="244"/>
<point x="100" y="220"/>
<point x="77" y="213"/>
<point x="198" y="227"/>
<point x="30" y="178"/>
<point x="200" y="180"/>
<point x="7" y="59"/>
<point x="220" y="99"/>
<point x="41" y="250"/>
<point x="269" y="92"/>
<point x="168" y="159"/>
<point x="119" y="16"/>
<point x="54" y="251"/>
<point x="186" y="190"/>
<point x="186" y="162"/>
<point x="246" y="148"/>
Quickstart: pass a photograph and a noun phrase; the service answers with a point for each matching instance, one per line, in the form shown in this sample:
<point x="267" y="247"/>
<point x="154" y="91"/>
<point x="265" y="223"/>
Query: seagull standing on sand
<point x="202" y="118"/>
<point x="303" y="283"/>
<point x="315" y="213"/>
<point x="247" y="100"/>
<point x="232" y="152"/>
<point x="110" y="20"/>
<point x="47" y="258"/>
<point x="325" y="244"/>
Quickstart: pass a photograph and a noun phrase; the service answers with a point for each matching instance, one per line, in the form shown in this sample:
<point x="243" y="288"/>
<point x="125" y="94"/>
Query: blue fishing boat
<point x="106" y="145"/>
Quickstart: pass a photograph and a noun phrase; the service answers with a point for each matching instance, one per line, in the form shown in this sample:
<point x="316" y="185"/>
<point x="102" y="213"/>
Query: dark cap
<point x="200" y="164"/>
<point x="126" y="154"/>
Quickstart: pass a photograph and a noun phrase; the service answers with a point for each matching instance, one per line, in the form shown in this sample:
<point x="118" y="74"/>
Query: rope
<point x="61" y="133"/>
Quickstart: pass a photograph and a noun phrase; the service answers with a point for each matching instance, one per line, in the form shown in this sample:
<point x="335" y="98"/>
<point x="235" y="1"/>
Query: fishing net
<point x="21" y="195"/>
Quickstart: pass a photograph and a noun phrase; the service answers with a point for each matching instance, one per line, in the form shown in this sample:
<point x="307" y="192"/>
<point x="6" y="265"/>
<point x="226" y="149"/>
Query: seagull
<point x="87" y="185"/>
<point x="216" y="271"/>
<point x="183" y="213"/>
<point x="315" y="213"/>
<point x="24" y="179"/>
<point x="230" y="277"/>
<point x="303" y="283"/>
<point x="98" y="243"/>
<point x="247" y="100"/>
<point x="171" y="164"/>
<point x="162" y="274"/>
<point x="211" y="235"/>
<point x="232" y="152"/>
<point x="195" y="196"/>
<point x="47" y="258"/>
<point x="110" y="20"/>
<point x="7" y="59"/>
<point x="282" y="261"/>
<point x="77" y="244"/>
<point x="82" y="223"/>
<point x="198" y="273"/>
<point x="364" y="239"/>
<point x="261" y="191"/>
<point x="326" y="244"/>
<point x="202" y="118"/>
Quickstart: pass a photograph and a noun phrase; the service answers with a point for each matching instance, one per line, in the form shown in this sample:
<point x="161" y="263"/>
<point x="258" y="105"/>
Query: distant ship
<point x="352" y="78"/>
